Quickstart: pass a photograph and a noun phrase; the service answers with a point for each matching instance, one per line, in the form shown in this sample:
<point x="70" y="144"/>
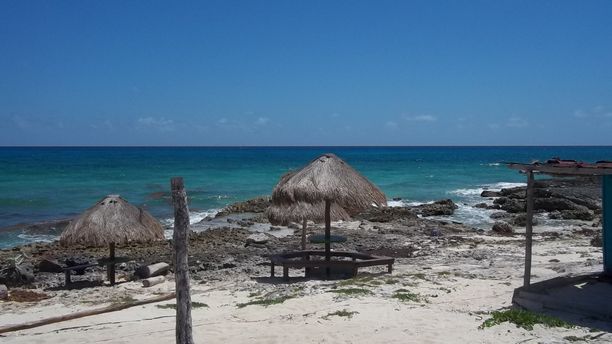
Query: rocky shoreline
<point x="239" y="239"/>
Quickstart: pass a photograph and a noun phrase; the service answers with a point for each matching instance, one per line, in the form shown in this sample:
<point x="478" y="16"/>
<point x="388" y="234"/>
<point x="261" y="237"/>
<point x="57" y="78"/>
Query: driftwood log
<point x="180" y="238"/>
<point x="111" y="308"/>
<point x="154" y="270"/>
<point x="149" y="282"/>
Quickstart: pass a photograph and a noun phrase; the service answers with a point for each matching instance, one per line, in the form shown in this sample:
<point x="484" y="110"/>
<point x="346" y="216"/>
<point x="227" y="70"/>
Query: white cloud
<point x="262" y="121"/>
<point x="598" y="111"/>
<point x="222" y="121"/>
<point x="494" y="125"/>
<point x="160" y="124"/>
<point x="580" y="114"/>
<point x="516" y="122"/>
<point x="21" y="122"/>
<point x="421" y="118"/>
<point x="391" y="124"/>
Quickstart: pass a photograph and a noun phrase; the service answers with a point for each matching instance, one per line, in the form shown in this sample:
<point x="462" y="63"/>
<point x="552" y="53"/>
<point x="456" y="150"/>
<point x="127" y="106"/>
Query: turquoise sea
<point x="46" y="183"/>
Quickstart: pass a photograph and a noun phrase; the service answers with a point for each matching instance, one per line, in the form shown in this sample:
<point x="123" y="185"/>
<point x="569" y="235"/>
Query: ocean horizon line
<point x="297" y="146"/>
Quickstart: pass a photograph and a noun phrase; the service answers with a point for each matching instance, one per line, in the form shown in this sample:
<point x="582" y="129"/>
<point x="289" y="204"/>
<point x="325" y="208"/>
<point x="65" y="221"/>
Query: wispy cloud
<point x="391" y="125"/>
<point x="516" y="122"/>
<point x="21" y="122"/>
<point x="598" y="111"/>
<point x="161" y="123"/>
<point x="262" y="121"/>
<point x="421" y="118"/>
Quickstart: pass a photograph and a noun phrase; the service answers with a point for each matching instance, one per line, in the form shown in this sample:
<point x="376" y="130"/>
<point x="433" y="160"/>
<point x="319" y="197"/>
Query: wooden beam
<point x="81" y="314"/>
<point x="181" y="266"/>
<point x="304" y="226"/>
<point x="327" y="234"/>
<point x="606" y="230"/>
<point x="569" y="171"/>
<point x="528" y="229"/>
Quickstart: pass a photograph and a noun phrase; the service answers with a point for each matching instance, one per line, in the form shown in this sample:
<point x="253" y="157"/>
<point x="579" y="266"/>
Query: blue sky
<point x="305" y="72"/>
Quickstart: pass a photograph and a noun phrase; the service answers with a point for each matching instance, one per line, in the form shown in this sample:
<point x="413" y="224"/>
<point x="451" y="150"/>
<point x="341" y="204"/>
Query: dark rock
<point x="510" y="205"/>
<point x="386" y="214"/>
<point x="597" y="242"/>
<point x="442" y="207"/>
<point x="49" y="265"/>
<point x="17" y="275"/>
<point x="481" y="205"/>
<point x="397" y="198"/>
<point x="552" y="204"/>
<point x="578" y="214"/>
<point x="500" y="215"/>
<point x="257" y="238"/>
<point x="502" y="228"/>
<point x="256" y="205"/>
<point x="489" y="193"/>
<point x="521" y="220"/>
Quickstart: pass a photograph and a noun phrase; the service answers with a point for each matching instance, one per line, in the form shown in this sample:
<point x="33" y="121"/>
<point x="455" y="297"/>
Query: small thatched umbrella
<point x="112" y="221"/>
<point x="327" y="183"/>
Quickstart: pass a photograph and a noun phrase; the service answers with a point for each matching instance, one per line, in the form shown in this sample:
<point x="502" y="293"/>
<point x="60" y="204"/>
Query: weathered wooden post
<point x="304" y="226"/>
<point x="181" y="267"/>
<point x="606" y="233"/>
<point x="327" y="235"/>
<point x="528" y="228"/>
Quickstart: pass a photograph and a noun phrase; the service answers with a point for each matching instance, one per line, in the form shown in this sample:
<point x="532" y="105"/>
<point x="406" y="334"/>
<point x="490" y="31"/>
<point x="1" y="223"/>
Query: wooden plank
<point x="528" y="229"/>
<point x="181" y="244"/>
<point x="606" y="233"/>
<point x="76" y="315"/>
<point x="572" y="171"/>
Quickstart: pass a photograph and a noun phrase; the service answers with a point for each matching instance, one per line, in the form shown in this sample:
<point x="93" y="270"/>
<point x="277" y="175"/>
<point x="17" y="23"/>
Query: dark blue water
<point x="38" y="184"/>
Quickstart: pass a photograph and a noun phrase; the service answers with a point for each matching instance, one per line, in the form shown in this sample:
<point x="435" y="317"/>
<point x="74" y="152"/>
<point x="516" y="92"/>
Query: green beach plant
<point x="340" y="313"/>
<point x="523" y="319"/>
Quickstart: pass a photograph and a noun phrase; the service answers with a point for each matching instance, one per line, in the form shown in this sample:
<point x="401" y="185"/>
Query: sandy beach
<point x="447" y="280"/>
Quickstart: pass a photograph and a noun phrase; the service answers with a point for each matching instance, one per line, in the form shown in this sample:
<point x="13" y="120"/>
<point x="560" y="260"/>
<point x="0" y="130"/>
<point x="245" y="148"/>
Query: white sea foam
<point x="37" y="237"/>
<point x="197" y="216"/>
<point x="490" y="187"/>
<point x="194" y="217"/>
<point x="406" y="203"/>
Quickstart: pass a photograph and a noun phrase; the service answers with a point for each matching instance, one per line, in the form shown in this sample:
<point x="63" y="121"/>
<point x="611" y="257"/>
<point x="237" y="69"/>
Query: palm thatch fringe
<point x="328" y="178"/>
<point x="284" y="214"/>
<point x="112" y="221"/>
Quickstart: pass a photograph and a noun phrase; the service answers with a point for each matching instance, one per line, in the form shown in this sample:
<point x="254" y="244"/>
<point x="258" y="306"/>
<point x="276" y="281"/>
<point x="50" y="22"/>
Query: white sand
<point x="458" y="295"/>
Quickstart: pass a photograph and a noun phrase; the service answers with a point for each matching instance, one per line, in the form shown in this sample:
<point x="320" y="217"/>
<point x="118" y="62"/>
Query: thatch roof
<point x="302" y="193"/>
<point x="112" y="220"/>
<point x="284" y="214"/>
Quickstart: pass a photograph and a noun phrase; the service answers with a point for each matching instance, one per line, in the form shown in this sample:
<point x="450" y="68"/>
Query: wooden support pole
<point x="327" y="234"/>
<point x="181" y="267"/>
<point x="606" y="230"/>
<point x="110" y="268"/>
<point x="528" y="229"/>
<point x="304" y="225"/>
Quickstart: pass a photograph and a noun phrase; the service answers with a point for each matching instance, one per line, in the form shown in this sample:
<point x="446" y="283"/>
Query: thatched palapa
<point x="326" y="189"/>
<point x="112" y="221"/>
<point x="329" y="178"/>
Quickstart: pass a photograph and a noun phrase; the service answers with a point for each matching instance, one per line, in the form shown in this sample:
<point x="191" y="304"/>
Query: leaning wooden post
<point x="606" y="230"/>
<point x="528" y="229"/>
<point x="181" y="267"/>
<point x="327" y="234"/>
<point x="110" y="267"/>
<point x="304" y="225"/>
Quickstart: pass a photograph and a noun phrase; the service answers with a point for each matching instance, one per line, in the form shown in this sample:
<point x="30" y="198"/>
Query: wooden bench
<point x="301" y="259"/>
<point x="109" y="263"/>
<point x="68" y="270"/>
